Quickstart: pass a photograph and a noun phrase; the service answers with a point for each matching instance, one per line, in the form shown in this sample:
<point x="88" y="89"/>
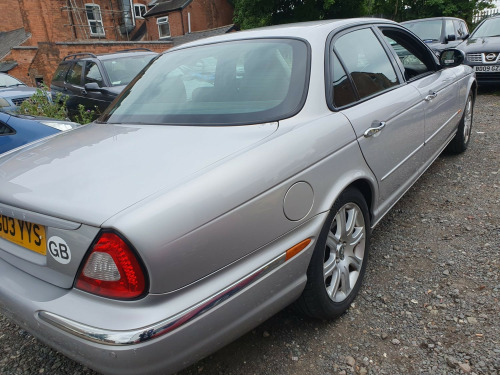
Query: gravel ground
<point x="430" y="303"/>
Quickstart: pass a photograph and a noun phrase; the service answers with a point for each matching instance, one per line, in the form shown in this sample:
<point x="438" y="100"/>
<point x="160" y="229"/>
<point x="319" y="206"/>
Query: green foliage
<point x="403" y="10"/>
<point x="255" y="13"/>
<point x="39" y="104"/>
<point x="85" y="116"/>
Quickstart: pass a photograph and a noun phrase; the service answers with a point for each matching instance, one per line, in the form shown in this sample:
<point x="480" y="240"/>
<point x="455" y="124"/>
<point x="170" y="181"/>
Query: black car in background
<point x="439" y="32"/>
<point x="96" y="80"/>
<point x="482" y="51"/>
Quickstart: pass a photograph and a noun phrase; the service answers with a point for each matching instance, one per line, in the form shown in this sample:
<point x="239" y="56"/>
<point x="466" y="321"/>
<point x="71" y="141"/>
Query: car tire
<point x="460" y="142"/>
<point x="338" y="263"/>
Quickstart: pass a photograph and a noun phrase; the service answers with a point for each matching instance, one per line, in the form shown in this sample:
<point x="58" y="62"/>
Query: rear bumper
<point x="136" y="340"/>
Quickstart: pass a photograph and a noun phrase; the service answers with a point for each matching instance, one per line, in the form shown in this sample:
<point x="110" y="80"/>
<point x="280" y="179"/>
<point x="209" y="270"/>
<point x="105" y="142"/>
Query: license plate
<point x="483" y="68"/>
<point x="23" y="233"/>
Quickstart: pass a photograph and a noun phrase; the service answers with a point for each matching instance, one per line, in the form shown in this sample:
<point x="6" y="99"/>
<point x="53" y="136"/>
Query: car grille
<point x="19" y="101"/>
<point x="475" y="57"/>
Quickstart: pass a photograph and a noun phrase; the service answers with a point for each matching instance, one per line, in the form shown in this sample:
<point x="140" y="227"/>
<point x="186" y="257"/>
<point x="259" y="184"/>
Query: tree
<point x="402" y="10"/>
<point x="256" y="13"/>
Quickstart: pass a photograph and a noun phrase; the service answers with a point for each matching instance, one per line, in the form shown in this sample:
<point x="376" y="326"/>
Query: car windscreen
<point x="488" y="28"/>
<point x="426" y="30"/>
<point x="229" y="83"/>
<point x="8" y="81"/>
<point x="122" y="70"/>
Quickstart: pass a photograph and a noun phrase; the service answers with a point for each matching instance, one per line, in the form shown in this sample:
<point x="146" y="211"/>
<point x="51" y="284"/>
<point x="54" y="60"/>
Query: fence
<point x="479" y="16"/>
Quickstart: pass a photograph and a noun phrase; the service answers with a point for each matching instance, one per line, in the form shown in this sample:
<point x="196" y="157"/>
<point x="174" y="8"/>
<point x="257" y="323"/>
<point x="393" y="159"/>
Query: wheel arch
<point x="366" y="189"/>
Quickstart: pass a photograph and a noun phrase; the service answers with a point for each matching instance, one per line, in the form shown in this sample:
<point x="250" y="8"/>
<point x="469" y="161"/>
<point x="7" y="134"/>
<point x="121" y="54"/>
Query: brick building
<point x="36" y="34"/>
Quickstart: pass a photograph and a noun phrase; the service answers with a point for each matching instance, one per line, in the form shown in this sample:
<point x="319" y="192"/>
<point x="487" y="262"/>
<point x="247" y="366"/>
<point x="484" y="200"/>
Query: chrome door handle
<point x="432" y="95"/>
<point x="374" y="131"/>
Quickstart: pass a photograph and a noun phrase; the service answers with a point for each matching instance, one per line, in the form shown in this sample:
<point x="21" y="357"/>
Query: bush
<point x="40" y="104"/>
<point x="85" y="116"/>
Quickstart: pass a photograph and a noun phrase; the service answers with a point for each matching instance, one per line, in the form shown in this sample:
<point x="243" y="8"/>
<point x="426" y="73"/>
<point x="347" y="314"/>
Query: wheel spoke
<point x="331" y="241"/>
<point x="344" y="277"/>
<point x="351" y="222"/>
<point x="329" y="267"/>
<point x="467" y="119"/>
<point x="355" y="262"/>
<point x="356" y="237"/>
<point x="340" y="218"/>
<point x="333" y="288"/>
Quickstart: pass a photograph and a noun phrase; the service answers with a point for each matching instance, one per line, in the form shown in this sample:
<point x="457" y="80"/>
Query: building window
<point x="163" y="27"/>
<point x="94" y="18"/>
<point x="139" y="10"/>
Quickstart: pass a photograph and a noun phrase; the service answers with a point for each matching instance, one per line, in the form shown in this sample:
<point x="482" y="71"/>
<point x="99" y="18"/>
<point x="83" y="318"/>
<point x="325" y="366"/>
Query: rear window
<point x="60" y="72"/>
<point x="231" y="83"/>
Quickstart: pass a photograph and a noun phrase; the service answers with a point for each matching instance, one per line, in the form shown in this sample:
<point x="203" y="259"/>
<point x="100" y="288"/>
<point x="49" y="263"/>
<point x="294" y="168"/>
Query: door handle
<point x="432" y="95"/>
<point x="375" y="130"/>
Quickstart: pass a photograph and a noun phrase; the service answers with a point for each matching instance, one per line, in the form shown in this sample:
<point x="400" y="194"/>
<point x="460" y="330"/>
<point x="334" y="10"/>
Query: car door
<point x="387" y="115"/>
<point x="93" y="98"/>
<point x="437" y="87"/>
<point x="74" y="87"/>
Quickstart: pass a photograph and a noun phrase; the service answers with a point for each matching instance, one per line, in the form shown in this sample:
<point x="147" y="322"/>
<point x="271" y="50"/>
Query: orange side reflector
<point x="294" y="250"/>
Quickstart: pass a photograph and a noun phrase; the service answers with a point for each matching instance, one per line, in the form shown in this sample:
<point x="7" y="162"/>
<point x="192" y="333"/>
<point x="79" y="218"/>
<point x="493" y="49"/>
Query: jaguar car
<point x="482" y="51"/>
<point x="194" y="209"/>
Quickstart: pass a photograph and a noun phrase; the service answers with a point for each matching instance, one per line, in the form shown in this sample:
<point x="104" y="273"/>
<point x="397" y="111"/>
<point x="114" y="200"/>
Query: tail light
<point x="112" y="269"/>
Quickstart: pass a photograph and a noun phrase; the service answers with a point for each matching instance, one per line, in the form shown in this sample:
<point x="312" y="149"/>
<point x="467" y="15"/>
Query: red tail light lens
<point x="112" y="270"/>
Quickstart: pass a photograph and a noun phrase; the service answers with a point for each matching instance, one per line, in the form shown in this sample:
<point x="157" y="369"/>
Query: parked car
<point x="95" y="80"/>
<point x="196" y="208"/>
<point x="13" y="92"/>
<point x="439" y="32"/>
<point x="482" y="51"/>
<point x="17" y="130"/>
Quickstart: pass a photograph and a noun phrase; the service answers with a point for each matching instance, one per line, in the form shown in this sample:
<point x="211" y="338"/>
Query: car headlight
<point x="60" y="125"/>
<point x="4" y="103"/>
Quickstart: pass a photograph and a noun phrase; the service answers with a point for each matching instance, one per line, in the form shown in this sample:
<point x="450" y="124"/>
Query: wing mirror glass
<point x="451" y="57"/>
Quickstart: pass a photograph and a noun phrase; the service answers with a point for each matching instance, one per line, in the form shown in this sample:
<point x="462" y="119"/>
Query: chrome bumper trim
<point x="136" y="336"/>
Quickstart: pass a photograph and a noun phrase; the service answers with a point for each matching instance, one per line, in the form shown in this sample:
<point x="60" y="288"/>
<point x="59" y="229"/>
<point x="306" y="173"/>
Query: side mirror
<point x="451" y="57"/>
<point x="92" y="86"/>
<point x="451" y="37"/>
<point x="465" y="36"/>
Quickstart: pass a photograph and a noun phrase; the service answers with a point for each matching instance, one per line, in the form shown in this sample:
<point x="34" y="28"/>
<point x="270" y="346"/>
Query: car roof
<point x="106" y="56"/>
<point x="120" y="55"/>
<point x="302" y="30"/>
<point x="432" y="18"/>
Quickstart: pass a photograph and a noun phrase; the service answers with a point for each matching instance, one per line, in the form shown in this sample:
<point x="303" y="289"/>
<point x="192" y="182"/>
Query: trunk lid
<point x="69" y="184"/>
<point x="89" y="174"/>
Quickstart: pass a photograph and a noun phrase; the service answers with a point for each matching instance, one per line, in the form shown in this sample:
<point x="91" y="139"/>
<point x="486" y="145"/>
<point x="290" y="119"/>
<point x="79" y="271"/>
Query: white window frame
<point x="97" y="21"/>
<point x="163" y="21"/>
<point x="142" y="10"/>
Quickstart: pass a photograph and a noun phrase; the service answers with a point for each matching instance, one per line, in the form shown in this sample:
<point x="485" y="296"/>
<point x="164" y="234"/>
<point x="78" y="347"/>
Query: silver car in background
<point x="234" y="176"/>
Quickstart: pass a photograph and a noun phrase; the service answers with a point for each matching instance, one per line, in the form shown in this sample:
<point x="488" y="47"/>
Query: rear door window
<point x="75" y="74"/>
<point x="6" y="130"/>
<point x="60" y="72"/>
<point x="342" y="91"/>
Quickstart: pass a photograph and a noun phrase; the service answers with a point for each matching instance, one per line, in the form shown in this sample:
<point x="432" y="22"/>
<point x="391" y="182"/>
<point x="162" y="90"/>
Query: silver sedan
<point x="232" y="177"/>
